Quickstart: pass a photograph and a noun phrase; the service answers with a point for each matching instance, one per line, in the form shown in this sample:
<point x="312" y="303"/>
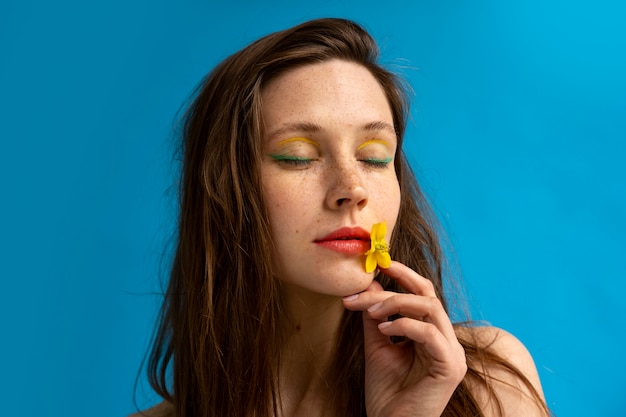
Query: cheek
<point x="388" y="204"/>
<point x="273" y="190"/>
<point x="275" y="203"/>
<point x="284" y="204"/>
<point x="387" y="196"/>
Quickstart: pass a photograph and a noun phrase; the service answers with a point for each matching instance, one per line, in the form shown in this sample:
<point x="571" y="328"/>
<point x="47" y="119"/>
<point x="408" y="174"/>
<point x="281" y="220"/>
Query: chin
<point x="337" y="280"/>
<point x="359" y="284"/>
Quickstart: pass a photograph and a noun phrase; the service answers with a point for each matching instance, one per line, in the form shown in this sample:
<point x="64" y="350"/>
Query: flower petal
<point x="382" y="231"/>
<point x="378" y="254"/>
<point x="383" y="259"/>
<point x="378" y="231"/>
<point x="370" y="262"/>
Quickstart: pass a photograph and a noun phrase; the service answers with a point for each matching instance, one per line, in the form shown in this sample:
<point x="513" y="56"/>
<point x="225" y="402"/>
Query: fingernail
<point x="384" y="324"/>
<point x="351" y="297"/>
<point x="375" y="307"/>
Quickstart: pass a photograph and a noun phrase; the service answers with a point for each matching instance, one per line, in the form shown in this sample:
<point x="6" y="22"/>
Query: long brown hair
<point x="216" y="350"/>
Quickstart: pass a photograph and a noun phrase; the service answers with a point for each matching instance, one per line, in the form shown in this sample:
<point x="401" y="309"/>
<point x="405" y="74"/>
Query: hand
<point x="418" y="376"/>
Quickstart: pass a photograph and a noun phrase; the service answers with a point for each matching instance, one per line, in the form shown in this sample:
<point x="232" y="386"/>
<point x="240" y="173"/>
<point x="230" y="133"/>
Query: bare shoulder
<point x="514" y="394"/>
<point x="508" y="347"/>
<point x="163" y="409"/>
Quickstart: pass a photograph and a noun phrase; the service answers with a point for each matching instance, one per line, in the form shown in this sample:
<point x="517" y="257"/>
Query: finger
<point x="365" y="299"/>
<point x="409" y="279"/>
<point x="427" y="335"/>
<point x="372" y="337"/>
<point x="427" y="309"/>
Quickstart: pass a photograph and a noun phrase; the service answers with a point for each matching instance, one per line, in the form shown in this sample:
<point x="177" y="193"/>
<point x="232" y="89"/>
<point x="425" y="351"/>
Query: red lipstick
<point x="348" y="240"/>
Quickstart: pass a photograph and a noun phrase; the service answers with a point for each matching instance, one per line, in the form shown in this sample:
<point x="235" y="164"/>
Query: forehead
<point x="331" y="91"/>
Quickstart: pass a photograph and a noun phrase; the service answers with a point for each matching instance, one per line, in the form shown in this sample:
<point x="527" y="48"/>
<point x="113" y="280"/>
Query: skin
<point x="338" y="187"/>
<point x="316" y="180"/>
<point x="335" y="116"/>
<point x="324" y="125"/>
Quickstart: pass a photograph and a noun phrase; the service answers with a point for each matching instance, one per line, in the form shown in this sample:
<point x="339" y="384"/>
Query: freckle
<point x="297" y="327"/>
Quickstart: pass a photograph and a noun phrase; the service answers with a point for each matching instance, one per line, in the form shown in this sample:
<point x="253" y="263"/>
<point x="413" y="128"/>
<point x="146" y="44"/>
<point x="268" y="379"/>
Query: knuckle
<point x="429" y="285"/>
<point x="462" y="369"/>
<point x="459" y="372"/>
<point x="434" y="304"/>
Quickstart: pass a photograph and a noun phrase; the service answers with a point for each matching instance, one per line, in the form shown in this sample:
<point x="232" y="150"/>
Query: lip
<point x="347" y="240"/>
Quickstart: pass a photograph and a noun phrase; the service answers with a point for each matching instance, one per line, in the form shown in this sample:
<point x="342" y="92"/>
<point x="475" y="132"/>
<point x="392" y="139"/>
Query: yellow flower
<point x="379" y="251"/>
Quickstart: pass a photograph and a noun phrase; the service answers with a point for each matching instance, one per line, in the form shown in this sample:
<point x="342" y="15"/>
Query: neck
<point x="311" y="334"/>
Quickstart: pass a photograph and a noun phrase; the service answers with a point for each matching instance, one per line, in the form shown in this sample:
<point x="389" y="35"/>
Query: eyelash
<point x="291" y="160"/>
<point x="298" y="162"/>
<point x="377" y="163"/>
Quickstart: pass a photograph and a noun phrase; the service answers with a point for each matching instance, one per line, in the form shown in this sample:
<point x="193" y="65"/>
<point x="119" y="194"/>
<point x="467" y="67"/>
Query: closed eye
<point x="291" y="160"/>
<point x="377" y="162"/>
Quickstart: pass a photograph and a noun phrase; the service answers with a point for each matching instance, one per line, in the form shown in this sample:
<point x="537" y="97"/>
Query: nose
<point x="347" y="189"/>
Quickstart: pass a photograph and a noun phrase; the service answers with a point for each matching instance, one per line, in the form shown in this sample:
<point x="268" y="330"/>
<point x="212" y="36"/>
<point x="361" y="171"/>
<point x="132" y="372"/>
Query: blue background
<point x="518" y="134"/>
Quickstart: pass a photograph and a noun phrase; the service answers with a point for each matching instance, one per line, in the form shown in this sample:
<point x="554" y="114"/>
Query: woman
<point x="293" y="181"/>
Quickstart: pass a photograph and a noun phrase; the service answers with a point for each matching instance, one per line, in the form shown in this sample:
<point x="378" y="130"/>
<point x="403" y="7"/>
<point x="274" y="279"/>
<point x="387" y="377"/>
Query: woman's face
<point x="327" y="173"/>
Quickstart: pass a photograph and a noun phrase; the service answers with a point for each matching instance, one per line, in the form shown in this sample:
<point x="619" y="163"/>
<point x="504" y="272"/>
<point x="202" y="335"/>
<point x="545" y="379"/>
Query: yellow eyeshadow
<point x="305" y="140"/>
<point x="371" y="142"/>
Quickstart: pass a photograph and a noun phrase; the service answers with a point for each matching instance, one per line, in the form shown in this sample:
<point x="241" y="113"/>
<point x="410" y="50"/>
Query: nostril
<point x="347" y="192"/>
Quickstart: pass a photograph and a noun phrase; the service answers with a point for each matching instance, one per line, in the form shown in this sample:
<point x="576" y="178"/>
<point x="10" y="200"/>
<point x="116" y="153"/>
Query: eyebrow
<point x="303" y="127"/>
<point x="380" y="126"/>
<point x="308" y="127"/>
